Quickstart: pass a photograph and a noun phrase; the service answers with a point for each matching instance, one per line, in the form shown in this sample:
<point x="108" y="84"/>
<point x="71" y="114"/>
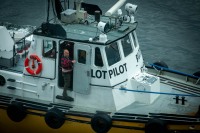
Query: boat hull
<point x="77" y="122"/>
<point x="36" y="123"/>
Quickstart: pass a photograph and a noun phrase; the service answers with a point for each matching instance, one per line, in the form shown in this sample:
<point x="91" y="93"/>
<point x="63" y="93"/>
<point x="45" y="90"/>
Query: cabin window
<point x="98" y="58"/>
<point x="134" y="39"/>
<point x="82" y="56"/>
<point x="126" y="45"/>
<point x="49" y="48"/>
<point x="112" y="52"/>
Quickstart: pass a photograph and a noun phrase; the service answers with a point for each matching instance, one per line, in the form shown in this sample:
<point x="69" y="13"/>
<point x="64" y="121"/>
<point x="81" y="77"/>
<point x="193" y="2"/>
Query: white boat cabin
<point x="106" y="62"/>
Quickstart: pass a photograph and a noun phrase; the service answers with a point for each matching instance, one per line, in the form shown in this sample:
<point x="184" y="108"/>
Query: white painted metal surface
<point x="81" y="69"/>
<point x="6" y="42"/>
<point x="115" y="8"/>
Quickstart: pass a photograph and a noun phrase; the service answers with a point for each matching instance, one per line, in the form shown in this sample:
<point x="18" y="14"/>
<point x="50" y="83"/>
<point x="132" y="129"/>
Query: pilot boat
<point x="113" y="89"/>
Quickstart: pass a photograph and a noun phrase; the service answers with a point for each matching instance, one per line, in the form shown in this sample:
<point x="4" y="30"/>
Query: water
<point x="168" y="30"/>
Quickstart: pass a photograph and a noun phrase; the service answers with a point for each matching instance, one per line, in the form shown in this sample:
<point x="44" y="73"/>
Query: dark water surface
<point x="168" y="30"/>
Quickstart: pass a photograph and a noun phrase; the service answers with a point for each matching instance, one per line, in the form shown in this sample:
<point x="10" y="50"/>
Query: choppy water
<point x="168" y="30"/>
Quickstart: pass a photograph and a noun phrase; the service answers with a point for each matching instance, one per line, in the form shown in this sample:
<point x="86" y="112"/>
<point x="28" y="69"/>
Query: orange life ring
<point x="31" y="70"/>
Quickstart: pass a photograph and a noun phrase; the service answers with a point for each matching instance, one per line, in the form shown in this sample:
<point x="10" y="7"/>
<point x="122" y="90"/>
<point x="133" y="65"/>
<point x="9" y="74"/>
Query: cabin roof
<point x="82" y="32"/>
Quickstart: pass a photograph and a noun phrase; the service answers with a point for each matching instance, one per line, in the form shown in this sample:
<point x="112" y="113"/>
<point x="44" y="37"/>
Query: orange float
<point x="31" y="69"/>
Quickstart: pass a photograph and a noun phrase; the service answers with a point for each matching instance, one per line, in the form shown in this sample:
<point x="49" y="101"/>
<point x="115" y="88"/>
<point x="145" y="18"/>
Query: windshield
<point x="126" y="45"/>
<point x="112" y="52"/>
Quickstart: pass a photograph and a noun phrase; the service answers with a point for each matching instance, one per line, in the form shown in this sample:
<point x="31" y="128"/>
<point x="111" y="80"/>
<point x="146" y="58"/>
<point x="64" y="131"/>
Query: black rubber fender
<point x="101" y="123"/>
<point x="54" y="118"/>
<point x="156" y="126"/>
<point x="2" y="81"/>
<point x="197" y="74"/>
<point x="161" y="64"/>
<point x="16" y="112"/>
<point x="198" y="112"/>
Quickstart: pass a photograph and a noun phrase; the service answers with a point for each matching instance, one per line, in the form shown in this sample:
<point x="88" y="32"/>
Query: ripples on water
<point x="170" y="31"/>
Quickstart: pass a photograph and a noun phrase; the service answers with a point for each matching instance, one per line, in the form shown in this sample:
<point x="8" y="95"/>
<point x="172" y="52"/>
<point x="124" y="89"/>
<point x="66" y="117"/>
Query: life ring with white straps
<point x="31" y="70"/>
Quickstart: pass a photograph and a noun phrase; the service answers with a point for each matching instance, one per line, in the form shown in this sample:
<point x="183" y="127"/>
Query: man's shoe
<point x="68" y="98"/>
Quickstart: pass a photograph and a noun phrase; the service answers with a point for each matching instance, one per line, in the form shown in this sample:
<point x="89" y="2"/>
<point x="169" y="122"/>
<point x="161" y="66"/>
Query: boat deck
<point x="166" y="102"/>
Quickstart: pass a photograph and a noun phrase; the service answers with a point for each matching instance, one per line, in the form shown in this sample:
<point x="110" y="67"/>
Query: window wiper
<point x="114" y="48"/>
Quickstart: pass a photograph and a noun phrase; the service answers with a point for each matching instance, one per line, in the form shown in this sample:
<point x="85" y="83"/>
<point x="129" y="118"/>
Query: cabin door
<point x="49" y="59"/>
<point x="81" y="78"/>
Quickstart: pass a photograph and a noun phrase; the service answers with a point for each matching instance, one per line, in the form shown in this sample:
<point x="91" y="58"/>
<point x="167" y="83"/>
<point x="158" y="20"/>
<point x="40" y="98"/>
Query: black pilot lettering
<point x="104" y="74"/>
<point x="121" y="69"/>
<point x="125" y="66"/>
<point x="114" y="71"/>
<point x="110" y="73"/>
<point x="117" y="71"/>
<point x="98" y="74"/>
<point x="92" y="74"/>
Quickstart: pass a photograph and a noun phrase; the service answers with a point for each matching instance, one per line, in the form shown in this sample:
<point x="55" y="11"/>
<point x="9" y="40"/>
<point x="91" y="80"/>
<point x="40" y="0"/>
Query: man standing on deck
<point x="66" y="65"/>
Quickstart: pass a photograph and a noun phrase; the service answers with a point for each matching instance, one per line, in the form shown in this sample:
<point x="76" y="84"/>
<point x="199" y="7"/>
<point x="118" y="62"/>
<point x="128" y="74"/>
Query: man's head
<point x="66" y="53"/>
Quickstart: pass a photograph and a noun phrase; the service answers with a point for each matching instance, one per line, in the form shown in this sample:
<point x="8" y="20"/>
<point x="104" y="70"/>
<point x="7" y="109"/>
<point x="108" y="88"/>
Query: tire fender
<point x="16" y="112"/>
<point x="101" y="123"/>
<point x="156" y="126"/>
<point x="54" y="118"/>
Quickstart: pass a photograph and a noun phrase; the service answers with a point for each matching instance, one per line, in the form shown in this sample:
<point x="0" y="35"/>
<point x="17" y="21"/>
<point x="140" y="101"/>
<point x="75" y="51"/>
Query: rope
<point x="163" y="93"/>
